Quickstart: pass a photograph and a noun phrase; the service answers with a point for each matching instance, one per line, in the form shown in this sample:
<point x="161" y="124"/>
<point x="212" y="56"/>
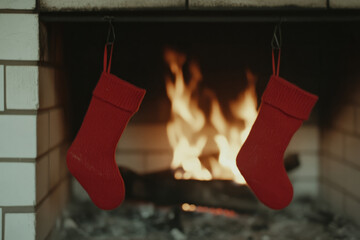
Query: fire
<point x="186" y="129"/>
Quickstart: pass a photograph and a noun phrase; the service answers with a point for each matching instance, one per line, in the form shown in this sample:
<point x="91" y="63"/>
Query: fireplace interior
<point x="320" y="57"/>
<point x="204" y="73"/>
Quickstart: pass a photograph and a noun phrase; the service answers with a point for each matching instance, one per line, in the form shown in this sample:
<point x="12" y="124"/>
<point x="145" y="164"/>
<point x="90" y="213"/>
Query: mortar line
<point x="19" y="62"/>
<point x="18" y="209"/>
<point x="18" y="11"/>
<point x="18" y="112"/>
<point x="17" y="160"/>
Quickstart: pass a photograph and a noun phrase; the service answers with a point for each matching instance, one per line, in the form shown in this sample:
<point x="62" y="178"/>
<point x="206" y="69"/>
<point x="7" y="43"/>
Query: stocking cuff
<point x="119" y="92"/>
<point x="289" y="98"/>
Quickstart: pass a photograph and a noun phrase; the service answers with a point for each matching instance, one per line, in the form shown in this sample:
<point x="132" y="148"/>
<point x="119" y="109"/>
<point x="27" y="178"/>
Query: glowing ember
<point x="186" y="129"/>
<point x="215" y="211"/>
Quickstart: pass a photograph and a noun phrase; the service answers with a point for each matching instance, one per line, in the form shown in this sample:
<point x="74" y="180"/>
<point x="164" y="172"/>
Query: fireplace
<point x="46" y="84"/>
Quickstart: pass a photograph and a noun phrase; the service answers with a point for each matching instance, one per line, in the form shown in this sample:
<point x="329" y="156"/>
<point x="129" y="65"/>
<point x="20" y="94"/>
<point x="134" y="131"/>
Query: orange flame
<point x="186" y="128"/>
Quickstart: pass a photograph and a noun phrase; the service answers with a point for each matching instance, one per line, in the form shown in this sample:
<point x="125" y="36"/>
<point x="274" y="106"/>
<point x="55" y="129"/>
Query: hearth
<point x="205" y="65"/>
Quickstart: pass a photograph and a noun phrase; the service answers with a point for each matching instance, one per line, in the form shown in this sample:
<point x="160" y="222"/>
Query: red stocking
<point x="283" y="109"/>
<point x="90" y="158"/>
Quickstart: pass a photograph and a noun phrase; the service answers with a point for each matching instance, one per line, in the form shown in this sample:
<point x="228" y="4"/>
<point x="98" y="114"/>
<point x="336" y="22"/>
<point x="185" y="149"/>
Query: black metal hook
<point x="276" y="41"/>
<point x="111" y="31"/>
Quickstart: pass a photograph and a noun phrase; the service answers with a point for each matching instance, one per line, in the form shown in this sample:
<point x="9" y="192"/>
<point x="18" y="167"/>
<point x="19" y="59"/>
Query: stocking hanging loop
<point x="276" y="43"/>
<point x="109" y="42"/>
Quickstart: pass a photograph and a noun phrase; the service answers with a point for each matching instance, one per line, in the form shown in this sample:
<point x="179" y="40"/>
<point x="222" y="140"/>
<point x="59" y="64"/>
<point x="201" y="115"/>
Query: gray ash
<point x="302" y="220"/>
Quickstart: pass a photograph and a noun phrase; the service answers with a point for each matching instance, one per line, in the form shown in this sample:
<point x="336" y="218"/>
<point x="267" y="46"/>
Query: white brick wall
<point x="17" y="4"/>
<point x="19" y="36"/>
<point x="30" y="175"/>
<point x="17" y="184"/>
<point x="22" y="87"/>
<point x="2" y="90"/>
<point x="19" y="226"/>
<point x="18" y="136"/>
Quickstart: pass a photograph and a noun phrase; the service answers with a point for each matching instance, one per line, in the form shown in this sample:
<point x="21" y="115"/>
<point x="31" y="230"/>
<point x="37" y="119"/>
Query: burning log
<point x="163" y="189"/>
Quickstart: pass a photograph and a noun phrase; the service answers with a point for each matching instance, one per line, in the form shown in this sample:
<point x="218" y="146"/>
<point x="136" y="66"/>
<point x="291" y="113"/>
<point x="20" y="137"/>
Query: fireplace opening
<point x="225" y="68"/>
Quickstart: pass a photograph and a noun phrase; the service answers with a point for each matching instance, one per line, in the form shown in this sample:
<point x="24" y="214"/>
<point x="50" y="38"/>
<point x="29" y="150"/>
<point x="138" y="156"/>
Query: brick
<point x="332" y="142"/>
<point x="144" y="137"/>
<point x="54" y="166"/>
<point x="42" y="177"/>
<point x="132" y="161"/>
<point x="352" y="150"/>
<point x="324" y="192"/>
<point x="309" y="167"/>
<point x="57" y="127"/>
<point x="48" y="94"/>
<point x="325" y="167"/>
<point x="42" y="132"/>
<point x="310" y="187"/>
<point x="20" y="39"/>
<point x="22" y="87"/>
<point x="50" y="209"/>
<point x="62" y="161"/>
<point x="18" y="136"/>
<point x="336" y="200"/>
<point x="346" y="119"/>
<point x="54" y="5"/>
<point x="344" y="4"/>
<point x="202" y="4"/>
<point x="17" y="184"/>
<point x="357" y="120"/>
<point x="338" y="173"/>
<point x="352" y="209"/>
<point x="19" y="226"/>
<point x="2" y="90"/>
<point x="352" y="181"/>
<point x="157" y="161"/>
<point x="18" y="4"/>
<point x="305" y="139"/>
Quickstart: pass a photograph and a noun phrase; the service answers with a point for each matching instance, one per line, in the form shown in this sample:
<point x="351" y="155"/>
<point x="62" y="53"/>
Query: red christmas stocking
<point x="90" y="158"/>
<point x="283" y="108"/>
